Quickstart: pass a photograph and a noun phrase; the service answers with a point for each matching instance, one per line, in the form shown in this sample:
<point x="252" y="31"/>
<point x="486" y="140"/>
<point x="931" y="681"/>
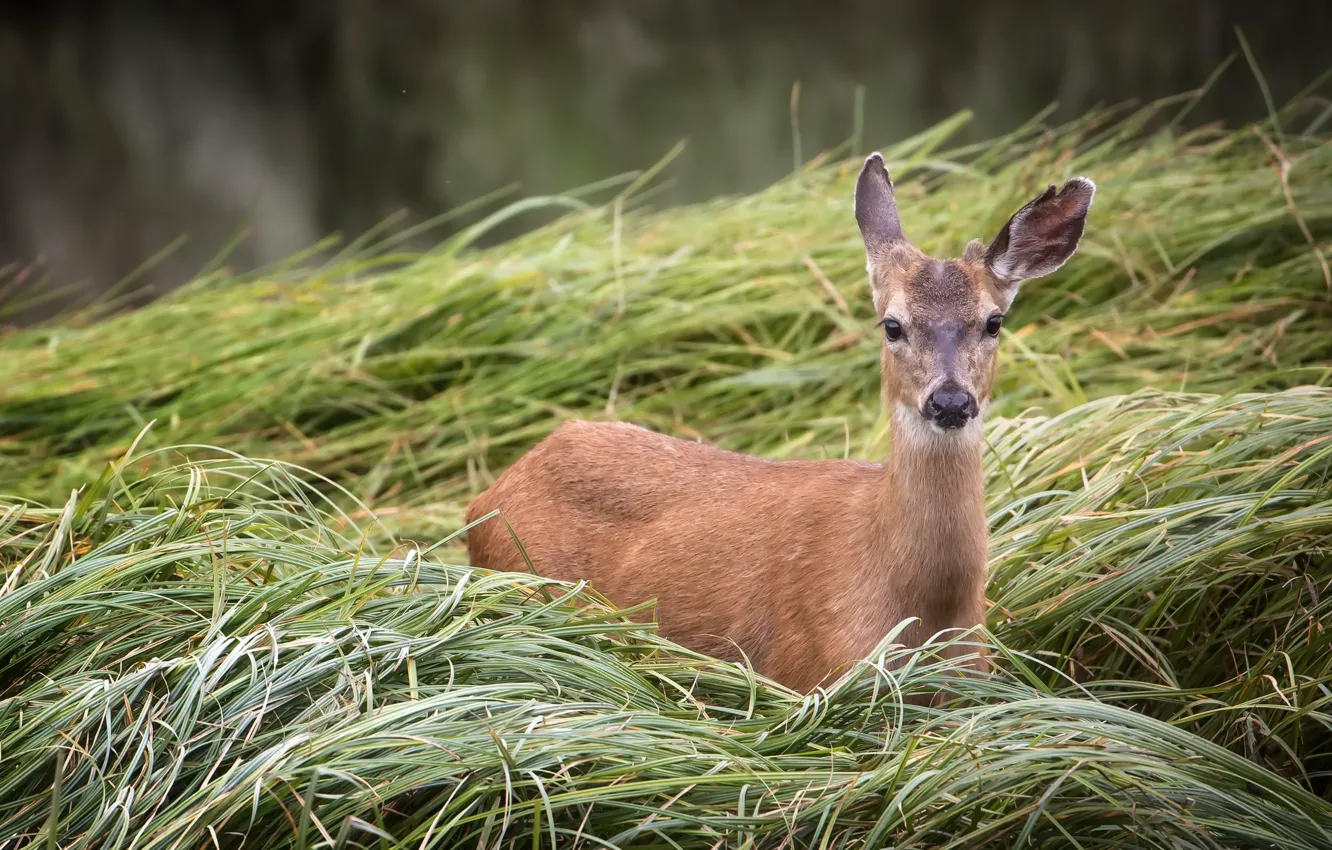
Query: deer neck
<point x="933" y="503"/>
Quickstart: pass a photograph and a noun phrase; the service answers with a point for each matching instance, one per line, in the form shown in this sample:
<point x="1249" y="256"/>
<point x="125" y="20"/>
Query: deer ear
<point x="875" y="206"/>
<point x="1041" y="236"/>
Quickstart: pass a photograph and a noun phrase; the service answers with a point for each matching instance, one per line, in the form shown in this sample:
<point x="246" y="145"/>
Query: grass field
<point x="249" y="623"/>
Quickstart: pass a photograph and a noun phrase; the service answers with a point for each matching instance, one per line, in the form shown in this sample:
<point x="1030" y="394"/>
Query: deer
<point x="803" y="567"/>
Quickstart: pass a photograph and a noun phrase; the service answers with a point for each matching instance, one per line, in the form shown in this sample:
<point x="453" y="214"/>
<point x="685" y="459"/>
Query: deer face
<point x="941" y="318"/>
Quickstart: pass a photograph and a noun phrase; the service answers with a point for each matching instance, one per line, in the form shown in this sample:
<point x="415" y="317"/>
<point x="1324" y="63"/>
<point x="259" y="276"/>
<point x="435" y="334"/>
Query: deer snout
<point x="950" y="406"/>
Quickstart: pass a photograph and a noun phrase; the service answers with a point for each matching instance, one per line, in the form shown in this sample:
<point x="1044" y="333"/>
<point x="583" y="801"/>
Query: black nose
<point x="950" y="406"/>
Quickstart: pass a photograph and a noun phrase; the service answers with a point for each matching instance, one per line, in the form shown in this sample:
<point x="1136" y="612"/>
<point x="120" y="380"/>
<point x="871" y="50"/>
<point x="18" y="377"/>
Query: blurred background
<point x="181" y="132"/>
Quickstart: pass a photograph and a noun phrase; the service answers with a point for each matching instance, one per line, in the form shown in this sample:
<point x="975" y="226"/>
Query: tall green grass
<point x="745" y="321"/>
<point x="211" y="653"/>
<point x="201" y="647"/>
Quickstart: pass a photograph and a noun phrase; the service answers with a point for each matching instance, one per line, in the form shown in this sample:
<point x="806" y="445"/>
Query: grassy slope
<point x="219" y="645"/>
<point x="746" y="321"/>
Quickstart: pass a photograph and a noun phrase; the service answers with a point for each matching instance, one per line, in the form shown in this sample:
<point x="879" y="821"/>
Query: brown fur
<point x="802" y="566"/>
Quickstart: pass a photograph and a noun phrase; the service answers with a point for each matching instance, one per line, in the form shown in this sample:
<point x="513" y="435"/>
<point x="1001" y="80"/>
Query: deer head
<point x="941" y="318"/>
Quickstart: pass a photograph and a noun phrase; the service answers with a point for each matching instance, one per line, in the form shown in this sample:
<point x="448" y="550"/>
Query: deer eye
<point x="892" y="329"/>
<point x="992" y="325"/>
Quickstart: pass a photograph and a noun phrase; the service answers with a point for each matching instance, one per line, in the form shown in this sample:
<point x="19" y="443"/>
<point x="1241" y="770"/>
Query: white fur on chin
<point x="921" y="432"/>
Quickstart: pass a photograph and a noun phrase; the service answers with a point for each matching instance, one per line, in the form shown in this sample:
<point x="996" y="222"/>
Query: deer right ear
<point x="875" y="206"/>
<point x="1041" y="236"/>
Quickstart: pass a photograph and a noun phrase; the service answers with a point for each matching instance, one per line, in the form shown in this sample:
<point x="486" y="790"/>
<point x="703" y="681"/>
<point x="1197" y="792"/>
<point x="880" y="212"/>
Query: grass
<point x="200" y="647"/>
<point x="413" y="379"/>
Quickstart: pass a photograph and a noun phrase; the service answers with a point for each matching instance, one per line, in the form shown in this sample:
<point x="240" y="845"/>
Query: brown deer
<point x="803" y="566"/>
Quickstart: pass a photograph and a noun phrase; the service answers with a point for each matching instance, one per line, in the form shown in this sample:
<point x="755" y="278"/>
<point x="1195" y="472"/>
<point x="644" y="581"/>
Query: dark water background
<point x="124" y="126"/>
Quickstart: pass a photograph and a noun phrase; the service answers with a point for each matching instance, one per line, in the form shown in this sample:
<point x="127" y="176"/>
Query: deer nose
<point x="950" y="406"/>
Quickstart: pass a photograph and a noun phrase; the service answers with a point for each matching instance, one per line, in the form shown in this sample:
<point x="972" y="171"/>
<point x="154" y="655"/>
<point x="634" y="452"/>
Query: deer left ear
<point x="876" y="207"/>
<point x="1041" y="236"/>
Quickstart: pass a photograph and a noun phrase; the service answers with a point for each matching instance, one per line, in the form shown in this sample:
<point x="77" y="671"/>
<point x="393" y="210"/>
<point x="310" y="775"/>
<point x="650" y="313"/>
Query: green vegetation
<point x="196" y="652"/>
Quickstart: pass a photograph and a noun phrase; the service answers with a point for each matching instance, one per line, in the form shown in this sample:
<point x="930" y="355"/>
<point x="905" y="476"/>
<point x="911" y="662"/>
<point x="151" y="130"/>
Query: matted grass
<point x="209" y="655"/>
<point x="744" y="321"/>
<point x="200" y="647"/>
